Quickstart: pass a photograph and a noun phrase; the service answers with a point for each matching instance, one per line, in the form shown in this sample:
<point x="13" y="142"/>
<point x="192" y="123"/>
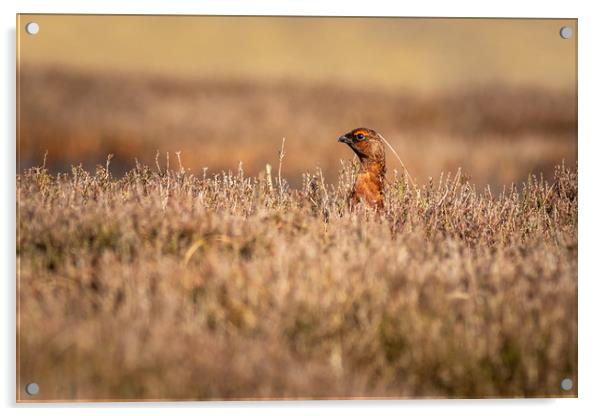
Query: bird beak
<point x="345" y="139"/>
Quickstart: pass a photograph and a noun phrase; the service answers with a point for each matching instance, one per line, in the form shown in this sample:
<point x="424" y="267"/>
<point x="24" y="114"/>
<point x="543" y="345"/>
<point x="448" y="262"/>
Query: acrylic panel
<point x="253" y="208"/>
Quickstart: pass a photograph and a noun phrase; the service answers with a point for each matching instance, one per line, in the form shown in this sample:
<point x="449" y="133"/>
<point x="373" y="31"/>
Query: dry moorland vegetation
<point x="162" y="284"/>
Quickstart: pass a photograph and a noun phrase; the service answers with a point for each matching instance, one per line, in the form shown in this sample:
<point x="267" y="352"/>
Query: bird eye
<point x="360" y="136"/>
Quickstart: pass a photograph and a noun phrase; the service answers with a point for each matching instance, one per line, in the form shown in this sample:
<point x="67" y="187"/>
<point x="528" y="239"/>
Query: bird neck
<point x="374" y="168"/>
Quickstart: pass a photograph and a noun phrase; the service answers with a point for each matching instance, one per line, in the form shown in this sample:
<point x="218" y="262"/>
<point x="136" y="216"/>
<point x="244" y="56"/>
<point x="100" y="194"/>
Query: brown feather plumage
<point x="369" y="147"/>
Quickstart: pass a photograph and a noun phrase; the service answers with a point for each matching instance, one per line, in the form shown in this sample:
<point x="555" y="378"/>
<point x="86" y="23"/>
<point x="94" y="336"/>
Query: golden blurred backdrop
<point x="416" y="53"/>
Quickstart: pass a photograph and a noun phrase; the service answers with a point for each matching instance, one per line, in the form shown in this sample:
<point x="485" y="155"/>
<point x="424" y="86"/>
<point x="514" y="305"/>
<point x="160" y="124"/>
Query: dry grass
<point x="166" y="285"/>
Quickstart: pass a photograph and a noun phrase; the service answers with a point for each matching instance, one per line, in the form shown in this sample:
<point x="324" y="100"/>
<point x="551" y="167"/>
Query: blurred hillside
<point x="496" y="97"/>
<point x="496" y="134"/>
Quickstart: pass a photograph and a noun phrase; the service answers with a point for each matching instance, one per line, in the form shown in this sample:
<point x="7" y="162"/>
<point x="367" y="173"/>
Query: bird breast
<point x="368" y="187"/>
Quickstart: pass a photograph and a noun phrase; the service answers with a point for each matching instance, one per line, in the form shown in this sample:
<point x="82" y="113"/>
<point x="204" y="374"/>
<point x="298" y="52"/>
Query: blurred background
<point x="497" y="97"/>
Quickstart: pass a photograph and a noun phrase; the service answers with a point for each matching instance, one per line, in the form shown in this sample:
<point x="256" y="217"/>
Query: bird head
<point x="367" y="144"/>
